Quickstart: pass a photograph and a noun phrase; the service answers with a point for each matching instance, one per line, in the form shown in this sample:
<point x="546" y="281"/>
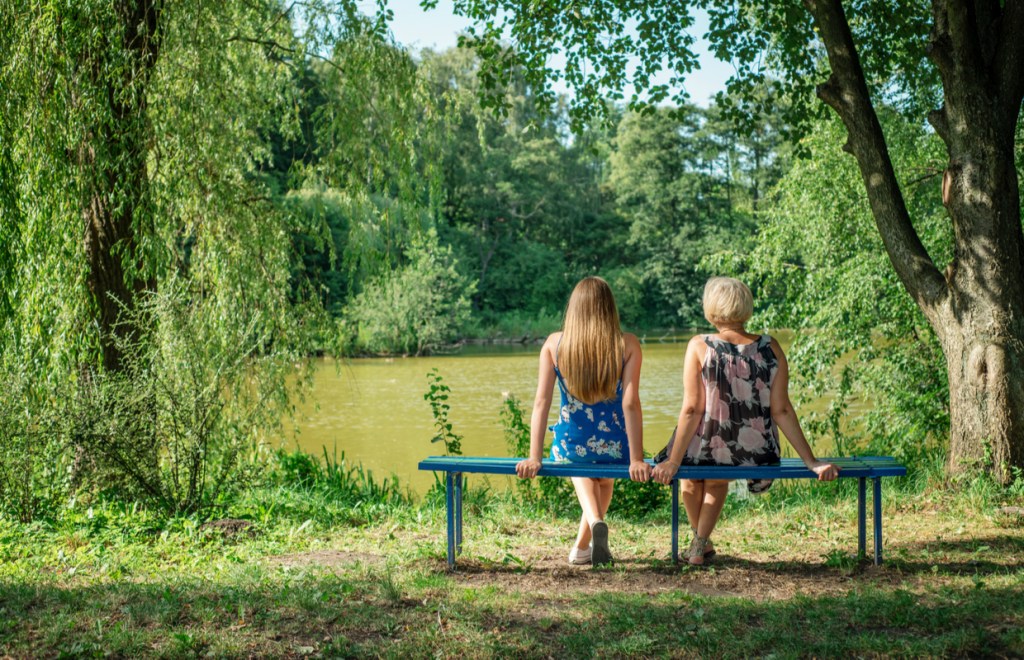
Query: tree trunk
<point x="981" y="324"/>
<point x="117" y="180"/>
<point x="976" y="306"/>
<point x="986" y="404"/>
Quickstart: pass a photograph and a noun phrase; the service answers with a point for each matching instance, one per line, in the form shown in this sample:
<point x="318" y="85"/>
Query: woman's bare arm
<point x="639" y="470"/>
<point x="690" y="414"/>
<point x="528" y="467"/>
<point x="786" y="419"/>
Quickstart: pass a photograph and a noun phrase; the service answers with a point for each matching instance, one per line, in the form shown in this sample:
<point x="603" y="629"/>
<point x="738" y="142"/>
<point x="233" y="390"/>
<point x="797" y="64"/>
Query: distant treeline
<point x="484" y="221"/>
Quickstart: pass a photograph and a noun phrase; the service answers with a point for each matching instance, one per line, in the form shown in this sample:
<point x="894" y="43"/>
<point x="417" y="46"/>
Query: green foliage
<point x="34" y="458"/>
<point x="819" y="268"/>
<point x="516" y="426"/>
<point x="668" y="183"/>
<point x="334" y="476"/>
<point x="417" y="308"/>
<point x="524" y="276"/>
<point x="654" y="40"/>
<point x="173" y="426"/>
<point x="437" y="396"/>
<point x="659" y="33"/>
<point x="525" y="211"/>
<point x="637" y="500"/>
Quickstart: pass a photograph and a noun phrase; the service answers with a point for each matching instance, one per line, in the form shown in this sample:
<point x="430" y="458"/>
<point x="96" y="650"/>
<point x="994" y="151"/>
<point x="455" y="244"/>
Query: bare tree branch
<point x="847" y="93"/>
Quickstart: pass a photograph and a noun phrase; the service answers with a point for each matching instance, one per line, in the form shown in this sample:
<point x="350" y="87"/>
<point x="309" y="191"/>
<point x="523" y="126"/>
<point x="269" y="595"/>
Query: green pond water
<point x="373" y="410"/>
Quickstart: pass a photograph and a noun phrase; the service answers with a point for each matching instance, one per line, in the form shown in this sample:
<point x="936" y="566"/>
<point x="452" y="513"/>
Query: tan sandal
<point x="695" y="555"/>
<point x="709" y="550"/>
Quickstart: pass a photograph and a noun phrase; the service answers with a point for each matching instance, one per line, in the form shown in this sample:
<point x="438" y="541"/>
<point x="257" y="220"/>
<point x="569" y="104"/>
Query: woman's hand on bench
<point x="639" y="470"/>
<point x="527" y="468"/>
<point x="665" y="471"/>
<point x="825" y="471"/>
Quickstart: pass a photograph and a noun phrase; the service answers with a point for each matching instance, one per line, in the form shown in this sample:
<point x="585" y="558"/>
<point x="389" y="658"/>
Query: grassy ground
<point x="315" y="577"/>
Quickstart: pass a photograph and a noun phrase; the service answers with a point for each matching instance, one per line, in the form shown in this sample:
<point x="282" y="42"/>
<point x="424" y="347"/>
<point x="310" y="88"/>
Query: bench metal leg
<point x="449" y="492"/>
<point x="675" y="520"/>
<point x="878" y="520"/>
<point x="458" y="512"/>
<point x="861" y="517"/>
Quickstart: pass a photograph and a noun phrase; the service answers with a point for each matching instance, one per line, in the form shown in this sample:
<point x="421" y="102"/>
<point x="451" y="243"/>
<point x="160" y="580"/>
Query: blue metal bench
<point x="862" y="468"/>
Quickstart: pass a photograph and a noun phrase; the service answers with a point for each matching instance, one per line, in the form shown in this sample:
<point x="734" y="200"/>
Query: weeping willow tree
<point x="135" y="142"/>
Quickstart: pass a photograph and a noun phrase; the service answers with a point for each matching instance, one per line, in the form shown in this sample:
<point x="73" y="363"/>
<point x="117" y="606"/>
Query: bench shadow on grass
<point x="979" y="556"/>
<point x="355" y="614"/>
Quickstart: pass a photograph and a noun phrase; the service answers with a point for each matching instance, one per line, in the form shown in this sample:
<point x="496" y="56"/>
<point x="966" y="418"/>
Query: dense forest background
<point x="497" y="216"/>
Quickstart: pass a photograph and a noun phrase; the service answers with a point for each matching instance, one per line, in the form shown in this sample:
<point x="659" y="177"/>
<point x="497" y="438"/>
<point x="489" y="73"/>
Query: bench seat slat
<point x="789" y="468"/>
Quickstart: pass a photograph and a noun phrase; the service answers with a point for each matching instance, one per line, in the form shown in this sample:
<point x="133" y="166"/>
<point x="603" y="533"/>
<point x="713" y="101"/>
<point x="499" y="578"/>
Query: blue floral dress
<point x="590" y="433"/>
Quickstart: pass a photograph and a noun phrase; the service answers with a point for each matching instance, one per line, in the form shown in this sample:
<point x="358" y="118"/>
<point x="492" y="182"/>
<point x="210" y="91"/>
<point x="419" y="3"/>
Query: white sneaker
<point x="579" y="557"/>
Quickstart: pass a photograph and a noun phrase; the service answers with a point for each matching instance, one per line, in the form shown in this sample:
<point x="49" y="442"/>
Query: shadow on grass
<point x="290" y="615"/>
<point x="1000" y="543"/>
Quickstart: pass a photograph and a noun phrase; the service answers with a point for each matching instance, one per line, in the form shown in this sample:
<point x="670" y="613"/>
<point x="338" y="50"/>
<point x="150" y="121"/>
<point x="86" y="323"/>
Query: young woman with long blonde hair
<point x="597" y="369"/>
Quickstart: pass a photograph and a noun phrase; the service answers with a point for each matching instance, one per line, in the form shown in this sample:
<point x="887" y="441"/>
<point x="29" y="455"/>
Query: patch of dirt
<point x="229" y="527"/>
<point x="329" y="559"/>
<point x="725" y="576"/>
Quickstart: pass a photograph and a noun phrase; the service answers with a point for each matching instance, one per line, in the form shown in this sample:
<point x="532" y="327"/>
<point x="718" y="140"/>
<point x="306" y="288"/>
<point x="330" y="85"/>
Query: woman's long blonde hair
<point x="591" y="351"/>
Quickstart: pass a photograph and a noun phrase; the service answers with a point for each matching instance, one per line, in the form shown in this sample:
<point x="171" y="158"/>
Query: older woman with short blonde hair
<point x="735" y="398"/>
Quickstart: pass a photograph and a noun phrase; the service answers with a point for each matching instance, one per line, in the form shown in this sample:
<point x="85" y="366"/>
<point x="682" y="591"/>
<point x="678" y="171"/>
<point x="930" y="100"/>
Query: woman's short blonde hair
<point x="727" y="300"/>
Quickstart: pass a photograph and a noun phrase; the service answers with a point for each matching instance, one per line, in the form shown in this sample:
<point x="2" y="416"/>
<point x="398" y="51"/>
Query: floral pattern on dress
<point x="737" y="428"/>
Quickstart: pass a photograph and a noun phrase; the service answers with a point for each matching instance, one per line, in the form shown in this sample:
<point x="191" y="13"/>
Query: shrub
<point x="346" y="483"/>
<point x="34" y="457"/>
<point x="172" y="426"/>
<point x="416" y="308"/>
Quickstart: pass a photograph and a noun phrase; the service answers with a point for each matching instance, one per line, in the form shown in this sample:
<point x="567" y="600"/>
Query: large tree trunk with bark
<point x="976" y="306"/>
<point x="115" y="169"/>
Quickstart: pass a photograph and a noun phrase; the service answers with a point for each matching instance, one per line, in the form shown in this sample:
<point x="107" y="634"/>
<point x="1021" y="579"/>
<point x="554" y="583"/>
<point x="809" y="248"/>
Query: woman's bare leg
<point x="711" y="505"/>
<point x="590" y="493"/>
<point x="693" y="500"/>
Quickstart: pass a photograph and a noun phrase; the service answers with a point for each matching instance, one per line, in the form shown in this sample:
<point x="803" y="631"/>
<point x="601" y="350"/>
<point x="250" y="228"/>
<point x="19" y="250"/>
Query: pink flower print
<point x="742" y="391"/>
<point x="759" y="359"/>
<point x="742" y="369"/>
<point x="758" y="425"/>
<point x="722" y="455"/>
<point x="693" y="449"/>
<point x="718" y="409"/>
<point x="764" y="393"/>
<point x="750" y="439"/>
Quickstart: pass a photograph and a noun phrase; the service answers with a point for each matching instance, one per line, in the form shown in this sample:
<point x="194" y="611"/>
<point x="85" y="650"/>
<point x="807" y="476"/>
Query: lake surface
<point x="373" y="410"/>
